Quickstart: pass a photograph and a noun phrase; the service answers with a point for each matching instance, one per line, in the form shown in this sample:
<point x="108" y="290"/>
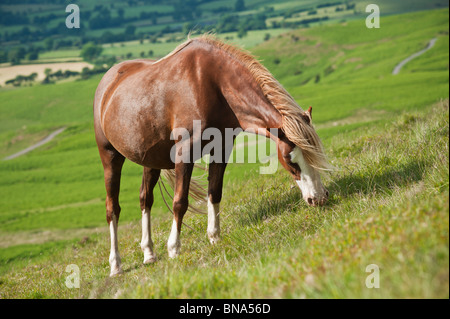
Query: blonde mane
<point x="293" y="124"/>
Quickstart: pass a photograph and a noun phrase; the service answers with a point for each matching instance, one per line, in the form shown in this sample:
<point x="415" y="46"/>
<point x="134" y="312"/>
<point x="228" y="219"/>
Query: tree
<point x="120" y="13"/>
<point x="242" y="32"/>
<point x="15" y="55"/>
<point x="47" y="72"/>
<point x="90" y="51"/>
<point x="198" y="13"/>
<point x="154" y="18"/>
<point x="187" y="27"/>
<point x="33" y="76"/>
<point x="85" y="73"/>
<point x="227" y="23"/>
<point x="48" y="43"/>
<point x="130" y="30"/>
<point x="3" y="56"/>
<point x="32" y="56"/>
<point x="101" y="20"/>
<point x="239" y="5"/>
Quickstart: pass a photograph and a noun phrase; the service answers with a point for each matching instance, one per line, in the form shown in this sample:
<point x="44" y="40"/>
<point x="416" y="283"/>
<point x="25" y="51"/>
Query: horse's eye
<point x="294" y="165"/>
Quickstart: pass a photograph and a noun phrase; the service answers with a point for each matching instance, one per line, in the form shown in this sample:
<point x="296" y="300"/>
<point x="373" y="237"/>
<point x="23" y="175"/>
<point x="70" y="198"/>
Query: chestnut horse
<point x="139" y="103"/>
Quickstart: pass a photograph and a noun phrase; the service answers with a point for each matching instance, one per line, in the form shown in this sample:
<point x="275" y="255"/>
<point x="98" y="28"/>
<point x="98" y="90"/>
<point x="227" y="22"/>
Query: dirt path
<point x="10" y="72"/>
<point x="415" y="55"/>
<point x="34" y="146"/>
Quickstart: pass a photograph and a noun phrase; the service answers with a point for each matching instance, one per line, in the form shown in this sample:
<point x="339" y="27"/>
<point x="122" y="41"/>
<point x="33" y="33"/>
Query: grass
<point x="59" y="54"/>
<point x="389" y="205"/>
<point x="253" y="38"/>
<point x="121" y="49"/>
<point x="386" y="208"/>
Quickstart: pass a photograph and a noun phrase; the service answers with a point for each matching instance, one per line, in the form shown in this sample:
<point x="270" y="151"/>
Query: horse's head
<point x="306" y="176"/>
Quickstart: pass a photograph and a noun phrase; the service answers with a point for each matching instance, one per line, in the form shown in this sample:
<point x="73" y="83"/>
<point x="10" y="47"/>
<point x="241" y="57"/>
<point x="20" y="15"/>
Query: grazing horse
<point x="139" y="103"/>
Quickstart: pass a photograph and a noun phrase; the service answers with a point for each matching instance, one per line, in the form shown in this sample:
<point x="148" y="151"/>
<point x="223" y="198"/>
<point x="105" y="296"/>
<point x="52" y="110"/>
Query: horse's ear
<point x="307" y="115"/>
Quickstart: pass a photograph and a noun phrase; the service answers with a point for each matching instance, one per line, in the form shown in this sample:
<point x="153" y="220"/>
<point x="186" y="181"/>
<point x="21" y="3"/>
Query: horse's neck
<point x="247" y="100"/>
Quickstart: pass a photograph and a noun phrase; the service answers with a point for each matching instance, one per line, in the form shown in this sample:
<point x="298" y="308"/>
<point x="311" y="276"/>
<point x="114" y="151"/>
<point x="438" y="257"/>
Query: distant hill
<point x="30" y="27"/>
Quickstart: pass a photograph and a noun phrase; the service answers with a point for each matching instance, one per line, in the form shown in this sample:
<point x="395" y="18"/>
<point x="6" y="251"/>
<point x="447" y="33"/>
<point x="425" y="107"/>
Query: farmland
<point x="386" y="135"/>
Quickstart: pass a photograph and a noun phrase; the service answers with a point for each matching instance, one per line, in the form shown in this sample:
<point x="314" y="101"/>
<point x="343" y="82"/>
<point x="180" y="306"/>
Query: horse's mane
<point x="294" y="126"/>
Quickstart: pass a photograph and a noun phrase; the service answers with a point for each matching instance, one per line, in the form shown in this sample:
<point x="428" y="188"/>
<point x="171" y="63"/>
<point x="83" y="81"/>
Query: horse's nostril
<point x="310" y="201"/>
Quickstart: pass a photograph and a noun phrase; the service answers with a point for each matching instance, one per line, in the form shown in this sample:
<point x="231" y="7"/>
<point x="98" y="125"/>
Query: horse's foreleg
<point x="149" y="180"/>
<point x="215" y="178"/>
<point x="112" y="165"/>
<point x="183" y="172"/>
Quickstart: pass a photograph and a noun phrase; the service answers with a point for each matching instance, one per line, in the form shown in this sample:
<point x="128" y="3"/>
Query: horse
<point x="139" y="103"/>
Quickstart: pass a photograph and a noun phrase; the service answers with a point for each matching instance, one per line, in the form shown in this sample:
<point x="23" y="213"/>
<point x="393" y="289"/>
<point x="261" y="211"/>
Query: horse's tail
<point x="197" y="189"/>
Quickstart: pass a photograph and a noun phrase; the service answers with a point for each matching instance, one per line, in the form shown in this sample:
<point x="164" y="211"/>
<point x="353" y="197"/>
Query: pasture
<point x="386" y="135"/>
<point x="159" y="49"/>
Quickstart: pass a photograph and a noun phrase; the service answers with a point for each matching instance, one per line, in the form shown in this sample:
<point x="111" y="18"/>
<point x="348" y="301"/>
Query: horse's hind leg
<point x="215" y="185"/>
<point x="149" y="180"/>
<point x="112" y="162"/>
<point x="183" y="172"/>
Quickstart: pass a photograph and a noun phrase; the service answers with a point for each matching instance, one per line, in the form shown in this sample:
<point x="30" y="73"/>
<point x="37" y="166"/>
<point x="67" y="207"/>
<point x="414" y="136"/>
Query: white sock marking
<point x="146" y="242"/>
<point x="213" y="229"/>
<point x="114" y="257"/>
<point x="173" y="244"/>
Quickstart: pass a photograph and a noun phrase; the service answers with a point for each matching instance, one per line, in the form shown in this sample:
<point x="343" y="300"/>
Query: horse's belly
<point x="141" y="139"/>
<point x="156" y="155"/>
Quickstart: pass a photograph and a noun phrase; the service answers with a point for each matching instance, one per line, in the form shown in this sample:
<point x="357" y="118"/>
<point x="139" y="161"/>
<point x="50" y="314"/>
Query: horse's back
<point x="138" y="103"/>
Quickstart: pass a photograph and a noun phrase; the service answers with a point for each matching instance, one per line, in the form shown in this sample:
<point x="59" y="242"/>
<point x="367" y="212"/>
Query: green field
<point x="253" y="38"/>
<point x="121" y="49"/>
<point x="386" y="135"/>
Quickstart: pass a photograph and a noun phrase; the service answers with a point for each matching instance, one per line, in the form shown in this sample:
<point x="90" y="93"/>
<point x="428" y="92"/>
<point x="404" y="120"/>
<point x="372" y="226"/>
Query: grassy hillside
<point x="387" y="135"/>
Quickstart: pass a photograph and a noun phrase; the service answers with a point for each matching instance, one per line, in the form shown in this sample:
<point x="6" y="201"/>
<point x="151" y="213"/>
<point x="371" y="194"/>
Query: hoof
<point x="173" y="248"/>
<point x="149" y="255"/>
<point x="115" y="265"/>
<point x="214" y="238"/>
<point x="149" y="260"/>
<point x="174" y="253"/>
<point x="116" y="272"/>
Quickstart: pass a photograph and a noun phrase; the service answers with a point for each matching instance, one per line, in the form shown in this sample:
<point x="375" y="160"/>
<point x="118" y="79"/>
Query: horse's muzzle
<point x="316" y="200"/>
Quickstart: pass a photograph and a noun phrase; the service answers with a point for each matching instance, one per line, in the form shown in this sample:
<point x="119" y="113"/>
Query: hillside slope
<point x="386" y="135"/>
